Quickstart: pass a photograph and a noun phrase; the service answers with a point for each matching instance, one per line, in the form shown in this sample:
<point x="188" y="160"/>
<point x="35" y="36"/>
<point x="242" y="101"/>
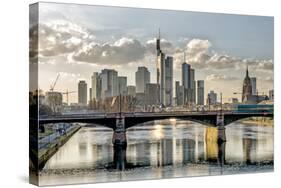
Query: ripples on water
<point x="162" y="149"/>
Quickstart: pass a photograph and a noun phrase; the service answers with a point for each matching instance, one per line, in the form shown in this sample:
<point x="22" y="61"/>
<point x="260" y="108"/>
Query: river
<point x="162" y="149"/>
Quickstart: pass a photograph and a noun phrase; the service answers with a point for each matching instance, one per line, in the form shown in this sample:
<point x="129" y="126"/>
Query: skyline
<point x="88" y="48"/>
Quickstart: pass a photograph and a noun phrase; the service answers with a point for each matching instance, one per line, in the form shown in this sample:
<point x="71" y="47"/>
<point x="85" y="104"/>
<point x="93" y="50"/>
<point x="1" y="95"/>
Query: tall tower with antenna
<point x="160" y="62"/>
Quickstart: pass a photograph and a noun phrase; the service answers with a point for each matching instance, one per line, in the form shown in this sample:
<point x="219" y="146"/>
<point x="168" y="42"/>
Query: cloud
<point x="218" y="61"/>
<point x="260" y="65"/>
<point x="268" y="79"/>
<point x="166" y="46"/>
<point x="122" y="51"/>
<point x="58" y="37"/>
<point x="199" y="54"/>
<point x="220" y="77"/>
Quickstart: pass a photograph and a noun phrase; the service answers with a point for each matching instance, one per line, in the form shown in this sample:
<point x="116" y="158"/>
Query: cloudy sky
<point x="77" y="40"/>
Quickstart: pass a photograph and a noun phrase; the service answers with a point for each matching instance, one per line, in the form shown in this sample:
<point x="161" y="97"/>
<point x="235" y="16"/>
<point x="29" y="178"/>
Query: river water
<point x="162" y="149"/>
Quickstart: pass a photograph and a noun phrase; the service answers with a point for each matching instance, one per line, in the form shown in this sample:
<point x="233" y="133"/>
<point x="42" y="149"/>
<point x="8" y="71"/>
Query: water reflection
<point x="161" y="149"/>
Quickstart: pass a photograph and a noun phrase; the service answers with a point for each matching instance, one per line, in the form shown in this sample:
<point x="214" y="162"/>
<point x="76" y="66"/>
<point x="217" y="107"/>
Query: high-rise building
<point x="179" y="94"/>
<point x="254" y="85"/>
<point x="186" y="82"/>
<point x="96" y="86"/>
<point x="212" y="98"/>
<point x="164" y="75"/>
<point x="159" y="60"/>
<point x="167" y="86"/>
<point x="247" y="88"/>
<point x="151" y="94"/>
<point x="131" y="90"/>
<point x="109" y="83"/>
<point x="186" y="75"/>
<point x="122" y="85"/>
<point x="189" y="83"/>
<point x="160" y="71"/>
<point x="192" y="87"/>
<point x="142" y="78"/>
<point x="271" y="94"/>
<point x="200" y="92"/>
<point x="82" y="92"/>
<point x="90" y="93"/>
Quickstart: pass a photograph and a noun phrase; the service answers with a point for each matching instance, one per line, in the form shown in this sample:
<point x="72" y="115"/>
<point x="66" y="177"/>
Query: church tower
<point x="247" y="87"/>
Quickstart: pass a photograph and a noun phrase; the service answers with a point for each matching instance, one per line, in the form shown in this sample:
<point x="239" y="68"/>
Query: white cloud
<point x="220" y="77"/>
<point x="122" y="51"/>
<point x="58" y="37"/>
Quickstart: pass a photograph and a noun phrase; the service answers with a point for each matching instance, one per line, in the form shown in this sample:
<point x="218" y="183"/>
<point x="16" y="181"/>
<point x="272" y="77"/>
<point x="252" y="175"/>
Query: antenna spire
<point x="184" y="56"/>
<point x="159" y="33"/>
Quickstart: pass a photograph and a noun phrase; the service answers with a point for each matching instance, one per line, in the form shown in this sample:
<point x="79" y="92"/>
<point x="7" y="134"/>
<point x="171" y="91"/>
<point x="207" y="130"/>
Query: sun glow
<point x="158" y="132"/>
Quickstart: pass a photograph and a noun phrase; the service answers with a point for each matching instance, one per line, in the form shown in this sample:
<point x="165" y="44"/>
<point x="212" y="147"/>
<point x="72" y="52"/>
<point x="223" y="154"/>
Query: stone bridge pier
<point x="220" y="123"/>
<point x="119" y="141"/>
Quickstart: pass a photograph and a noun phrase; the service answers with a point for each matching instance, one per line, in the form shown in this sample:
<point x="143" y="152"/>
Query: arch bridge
<point x="111" y="120"/>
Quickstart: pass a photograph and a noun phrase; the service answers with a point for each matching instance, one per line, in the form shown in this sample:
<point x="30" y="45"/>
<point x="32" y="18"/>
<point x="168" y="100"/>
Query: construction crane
<point x="67" y="93"/>
<point x="54" y="84"/>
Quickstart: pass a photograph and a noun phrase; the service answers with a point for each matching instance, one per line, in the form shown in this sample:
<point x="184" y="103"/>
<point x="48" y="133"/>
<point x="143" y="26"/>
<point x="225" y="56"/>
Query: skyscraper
<point x="82" y="92"/>
<point x="200" y="92"/>
<point x="96" y="86"/>
<point x="159" y="60"/>
<point x="167" y="92"/>
<point x="179" y="94"/>
<point x="192" y="99"/>
<point x="90" y="93"/>
<point x="186" y="75"/>
<point x="109" y="83"/>
<point x="188" y="81"/>
<point x="254" y="85"/>
<point x="122" y="85"/>
<point x="160" y="70"/>
<point x="142" y="78"/>
<point x="164" y="75"/>
<point x="151" y="94"/>
<point x="247" y="87"/>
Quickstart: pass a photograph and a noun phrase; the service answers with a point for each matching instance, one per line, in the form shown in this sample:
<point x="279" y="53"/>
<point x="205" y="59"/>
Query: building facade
<point x="142" y="78"/>
<point x="122" y="85"/>
<point x="151" y="94"/>
<point x="131" y="90"/>
<point x="212" y="98"/>
<point x="167" y="92"/>
<point x="82" y="92"/>
<point x="254" y="85"/>
<point x="96" y="86"/>
<point x="179" y="94"/>
<point x="200" y="92"/>
<point x="109" y="83"/>
<point x="247" y="88"/>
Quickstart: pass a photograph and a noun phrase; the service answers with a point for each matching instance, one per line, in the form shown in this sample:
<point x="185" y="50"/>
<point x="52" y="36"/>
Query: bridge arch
<point x="130" y="122"/>
<point x="228" y="119"/>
